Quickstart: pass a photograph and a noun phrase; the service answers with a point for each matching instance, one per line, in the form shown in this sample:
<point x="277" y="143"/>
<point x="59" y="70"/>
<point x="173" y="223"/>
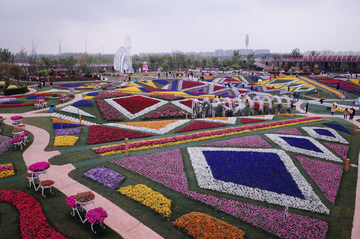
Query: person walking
<point x="51" y="84"/>
<point x="298" y="96"/>
<point x="346" y="112"/>
<point x="332" y="109"/>
<point x="343" y="96"/>
<point x="306" y="107"/>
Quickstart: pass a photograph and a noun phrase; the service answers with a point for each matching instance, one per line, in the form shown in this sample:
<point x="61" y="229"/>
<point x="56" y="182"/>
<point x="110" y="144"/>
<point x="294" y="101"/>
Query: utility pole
<point x="59" y="47"/>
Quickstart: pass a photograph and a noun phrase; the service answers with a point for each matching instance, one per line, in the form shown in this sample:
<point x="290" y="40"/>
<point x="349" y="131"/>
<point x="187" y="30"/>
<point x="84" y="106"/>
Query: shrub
<point x="20" y="90"/>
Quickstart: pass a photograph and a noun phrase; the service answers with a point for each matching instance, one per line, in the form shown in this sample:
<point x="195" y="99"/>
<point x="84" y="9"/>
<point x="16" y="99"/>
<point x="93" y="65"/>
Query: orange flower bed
<point x="64" y="121"/>
<point x="200" y="225"/>
<point x="151" y="124"/>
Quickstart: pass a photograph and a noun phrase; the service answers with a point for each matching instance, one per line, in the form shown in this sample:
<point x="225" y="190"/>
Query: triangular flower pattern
<point x="247" y="141"/>
<point x="293" y="131"/>
<point x="326" y="175"/>
<point x="339" y="149"/>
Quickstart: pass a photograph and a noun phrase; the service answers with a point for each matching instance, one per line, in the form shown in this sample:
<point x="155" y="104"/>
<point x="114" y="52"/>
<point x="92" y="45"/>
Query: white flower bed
<point x="284" y="145"/>
<point x="205" y="179"/>
<point x="129" y="115"/>
<point x="74" y="110"/>
<point x="182" y="106"/>
<point x="7" y="99"/>
<point x="56" y="91"/>
<point x="265" y="117"/>
<point x="314" y="134"/>
<point x="230" y="120"/>
<point x="163" y="130"/>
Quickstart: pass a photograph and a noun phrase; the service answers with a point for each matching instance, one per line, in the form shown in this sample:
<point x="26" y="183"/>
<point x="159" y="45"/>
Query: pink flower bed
<point x="247" y="141"/>
<point x="167" y="168"/>
<point x="326" y="175"/>
<point x="200" y="125"/>
<point x="191" y="137"/>
<point x="33" y="223"/>
<point x="293" y="131"/>
<point x="102" y="134"/>
<point x="6" y="168"/>
<point x="339" y="149"/>
<point x="167" y="111"/>
<point x="248" y="120"/>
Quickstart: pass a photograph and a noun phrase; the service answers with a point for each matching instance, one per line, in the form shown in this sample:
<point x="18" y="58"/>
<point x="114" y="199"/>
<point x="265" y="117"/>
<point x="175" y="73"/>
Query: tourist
<point x="298" y="96"/>
<point x="346" y="112"/>
<point x="321" y="100"/>
<point x="338" y="86"/>
<point x="51" y="84"/>
<point x="343" y="96"/>
<point x="306" y="107"/>
<point x="352" y="113"/>
<point x="333" y="109"/>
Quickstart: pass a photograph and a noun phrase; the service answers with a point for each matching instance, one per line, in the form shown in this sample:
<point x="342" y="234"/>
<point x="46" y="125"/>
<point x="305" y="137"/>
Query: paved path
<point x="128" y="227"/>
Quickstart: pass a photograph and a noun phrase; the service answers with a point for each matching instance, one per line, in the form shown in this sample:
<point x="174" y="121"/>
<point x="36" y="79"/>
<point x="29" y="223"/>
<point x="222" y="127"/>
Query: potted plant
<point x="39" y="167"/>
<point x="84" y="197"/>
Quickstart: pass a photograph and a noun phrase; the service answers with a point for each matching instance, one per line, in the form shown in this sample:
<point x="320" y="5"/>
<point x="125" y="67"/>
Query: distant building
<point x="217" y="53"/>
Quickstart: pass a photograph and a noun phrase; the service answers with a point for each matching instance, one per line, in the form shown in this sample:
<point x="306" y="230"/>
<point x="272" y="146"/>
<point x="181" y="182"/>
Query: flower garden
<point x="215" y="171"/>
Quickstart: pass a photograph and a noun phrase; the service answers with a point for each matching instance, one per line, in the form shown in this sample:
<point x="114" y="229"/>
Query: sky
<point x="186" y="25"/>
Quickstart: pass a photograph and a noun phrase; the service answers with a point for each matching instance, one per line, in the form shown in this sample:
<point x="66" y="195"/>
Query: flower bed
<point x="77" y="111"/>
<point x="155" y="143"/>
<point x="149" y="198"/>
<point x="16" y="105"/>
<point x="200" y="125"/>
<point x="248" y="120"/>
<point x="339" y="149"/>
<point x="167" y="168"/>
<point x="33" y="223"/>
<point x="92" y="94"/>
<point x="60" y="132"/>
<point x="325" y="134"/>
<point x="247" y="141"/>
<point x="65" y="125"/>
<point x="96" y="215"/>
<point x="326" y="175"/>
<point x="108" y="112"/>
<point x="39" y="166"/>
<point x="65" y="140"/>
<point x="105" y="176"/>
<point x="6" y="170"/>
<point x="200" y="225"/>
<point x="14" y="102"/>
<point x="102" y="134"/>
<point x="292" y="131"/>
<point x="167" y="111"/>
<point x="5" y="144"/>
<point x="337" y="127"/>
<point x="83" y="103"/>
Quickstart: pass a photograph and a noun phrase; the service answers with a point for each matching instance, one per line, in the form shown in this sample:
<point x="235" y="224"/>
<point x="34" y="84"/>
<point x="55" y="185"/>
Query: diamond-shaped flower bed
<point x="261" y="174"/>
<point x="105" y="176"/>
<point x="293" y="131"/>
<point x="303" y="145"/>
<point x="247" y="141"/>
<point x="135" y="106"/>
<point x="184" y="105"/>
<point x="325" y="134"/>
<point x="337" y="127"/>
<point x="190" y="84"/>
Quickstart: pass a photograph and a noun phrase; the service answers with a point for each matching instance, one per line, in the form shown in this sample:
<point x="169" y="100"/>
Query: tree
<point x="6" y="56"/>
<point x="165" y="66"/>
<point x="314" y="53"/>
<point x="16" y="71"/>
<point x="46" y="62"/>
<point x="295" y="52"/>
<point x="179" y="58"/>
<point x="215" y="61"/>
<point x="236" y="57"/>
<point x="250" y="60"/>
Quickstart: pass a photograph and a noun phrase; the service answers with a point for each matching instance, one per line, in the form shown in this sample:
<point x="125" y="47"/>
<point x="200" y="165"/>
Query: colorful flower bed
<point x="5" y="144"/>
<point x="200" y="125"/>
<point x="65" y="140"/>
<point x="105" y="176"/>
<point x="16" y="105"/>
<point x="6" y="170"/>
<point x="325" y="134"/>
<point x="293" y="131"/>
<point x="83" y="103"/>
<point x="102" y="134"/>
<point x="65" y="125"/>
<point x="339" y="149"/>
<point x="326" y="175"/>
<point x="165" y="112"/>
<point x="108" y="112"/>
<point x="39" y="166"/>
<point x="96" y="215"/>
<point x="249" y="120"/>
<point x="200" y="225"/>
<point x="74" y="110"/>
<point x="156" y="143"/>
<point x="33" y="223"/>
<point x="167" y="168"/>
<point x="247" y="141"/>
<point x="60" y="132"/>
<point x="337" y="127"/>
<point x="149" y="198"/>
<point x="303" y="145"/>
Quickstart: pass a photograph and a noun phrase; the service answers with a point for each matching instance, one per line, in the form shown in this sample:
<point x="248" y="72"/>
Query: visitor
<point x="43" y="82"/>
<point x="293" y="106"/>
<point x="346" y="112"/>
<point x="321" y="100"/>
<point x="338" y="86"/>
<point x="298" y="96"/>
<point x="38" y="84"/>
<point x="332" y="109"/>
<point x="51" y="84"/>
<point x="351" y="113"/>
<point x="306" y="107"/>
<point x="343" y="96"/>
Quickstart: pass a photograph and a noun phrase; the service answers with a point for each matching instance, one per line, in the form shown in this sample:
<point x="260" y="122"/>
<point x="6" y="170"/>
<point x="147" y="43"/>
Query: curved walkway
<point x="118" y="220"/>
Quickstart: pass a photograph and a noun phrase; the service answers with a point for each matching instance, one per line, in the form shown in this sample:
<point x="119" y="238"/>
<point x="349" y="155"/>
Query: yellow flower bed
<point x="7" y="173"/>
<point x="64" y="121"/>
<point x="200" y="225"/>
<point x="12" y="87"/>
<point x="149" y="198"/>
<point x="338" y="94"/>
<point x="88" y="97"/>
<point x="85" y="87"/>
<point x="2" y="84"/>
<point x="65" y="140"/>
<point x="151" y="124"/>
<point x="195" y="139"/>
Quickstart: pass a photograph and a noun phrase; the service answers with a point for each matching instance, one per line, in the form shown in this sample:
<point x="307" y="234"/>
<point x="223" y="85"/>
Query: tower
<point x="247" y="41"/>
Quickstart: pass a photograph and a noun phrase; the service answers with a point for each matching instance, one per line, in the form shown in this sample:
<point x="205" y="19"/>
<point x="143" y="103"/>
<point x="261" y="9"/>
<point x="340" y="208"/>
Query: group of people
<point x="350" y="112"/>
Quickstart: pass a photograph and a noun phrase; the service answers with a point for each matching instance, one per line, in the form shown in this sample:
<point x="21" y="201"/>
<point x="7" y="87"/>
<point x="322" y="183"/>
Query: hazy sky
<point x="186" y="25"/>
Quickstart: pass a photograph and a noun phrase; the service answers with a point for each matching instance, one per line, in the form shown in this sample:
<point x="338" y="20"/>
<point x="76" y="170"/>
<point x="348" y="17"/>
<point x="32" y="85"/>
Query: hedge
<point x="20" y="90"/>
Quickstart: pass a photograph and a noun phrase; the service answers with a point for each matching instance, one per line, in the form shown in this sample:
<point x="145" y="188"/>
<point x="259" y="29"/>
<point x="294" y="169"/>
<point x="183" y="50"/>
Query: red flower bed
<point x="189" y="84"/>
<point x="108" y="112"/>
<point x="200" y="125"/>
<point x="187" y="103"/>
<point x="33" y="223"/>
<point x="217" y="87"/>
<point x="167" y="111"/>
<point x="156" y="89"/>
<point x="136" y="103"/>
<point x="102" y="134"/>
<point x="247" y="120"/>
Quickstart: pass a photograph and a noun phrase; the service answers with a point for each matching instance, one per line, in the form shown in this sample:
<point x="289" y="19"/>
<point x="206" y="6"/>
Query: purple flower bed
<point x="293" y="131"/>
<point x="326" y="175"/>
<point x="5" y="144"/>
<point x="65" y="125"/>
<point x="339" y="149"/>
<point x="105" y="176"/>
<point x="247" y="141"/>
<point x="59" y="132"/>
<point x="32" y="97"/>
<point x="167" y="168"/>
<point x="83" y="103"/>
<point x="92" y="94"/>
<point x="111" y="88"/>
<point x="72" y="85"/>
<point x="13" y="102"/>
<point x="337" y="127"/>
<point x="163" y="82"/>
